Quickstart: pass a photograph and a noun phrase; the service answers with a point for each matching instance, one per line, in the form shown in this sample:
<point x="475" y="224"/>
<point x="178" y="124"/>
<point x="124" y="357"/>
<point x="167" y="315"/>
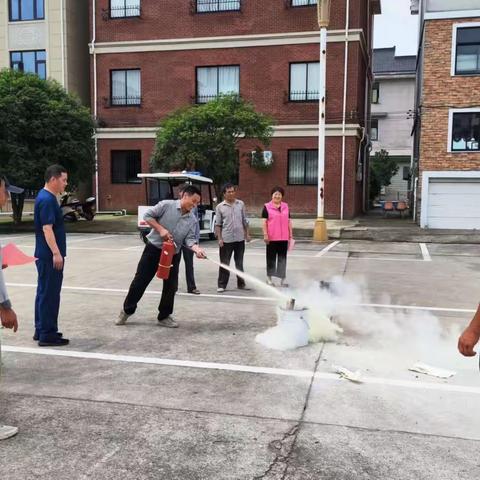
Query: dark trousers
<point x="277" y="259"/>
<point x="47" y="301"/>
<point x="238" y="250"/>
<point x="146" y="270"/>
<point x="189" y="273"/>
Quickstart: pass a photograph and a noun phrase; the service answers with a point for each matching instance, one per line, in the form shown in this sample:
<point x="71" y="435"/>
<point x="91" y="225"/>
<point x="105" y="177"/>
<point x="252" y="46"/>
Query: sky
<point x="396" y="27"/>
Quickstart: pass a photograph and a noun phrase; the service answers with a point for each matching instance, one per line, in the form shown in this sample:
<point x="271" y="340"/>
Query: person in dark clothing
<point x="50" y="251"/>
<point x="170" y="220"/>
<point x="277" y="234"/>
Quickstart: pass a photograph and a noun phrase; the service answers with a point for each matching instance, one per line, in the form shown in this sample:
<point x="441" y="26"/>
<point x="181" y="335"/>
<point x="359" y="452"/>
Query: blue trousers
<point x="47" y="301"/>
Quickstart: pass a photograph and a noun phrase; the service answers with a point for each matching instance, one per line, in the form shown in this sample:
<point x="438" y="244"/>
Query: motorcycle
<point x="73" y="209"/>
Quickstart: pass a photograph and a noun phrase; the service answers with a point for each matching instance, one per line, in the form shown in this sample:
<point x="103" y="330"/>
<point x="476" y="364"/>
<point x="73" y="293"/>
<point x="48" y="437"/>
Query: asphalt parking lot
<point x="205" y="401"/>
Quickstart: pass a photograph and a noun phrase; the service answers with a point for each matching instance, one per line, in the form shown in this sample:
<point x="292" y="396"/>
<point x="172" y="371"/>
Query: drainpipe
<point x="95" y="109"/>
<point x="366" y="136"/>
<point x="344" y="118"/>
<point x="62" y="35"/>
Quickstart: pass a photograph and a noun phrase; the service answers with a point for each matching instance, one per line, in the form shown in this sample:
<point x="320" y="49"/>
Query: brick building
<point x="447" y="140"/>
<point x="151" y="57"/>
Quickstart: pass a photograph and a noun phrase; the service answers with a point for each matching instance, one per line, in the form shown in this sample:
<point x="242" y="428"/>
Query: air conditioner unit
<point x="266" y="156"/>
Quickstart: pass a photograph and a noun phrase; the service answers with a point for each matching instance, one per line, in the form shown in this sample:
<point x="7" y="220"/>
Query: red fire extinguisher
<point x="166" y="258"/>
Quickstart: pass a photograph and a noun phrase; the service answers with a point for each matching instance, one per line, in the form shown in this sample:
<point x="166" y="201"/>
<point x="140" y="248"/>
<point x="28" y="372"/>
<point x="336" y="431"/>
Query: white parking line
<point x="321" y="253"/>
<point x="238" y="368"/>
<point x="90" y="239"/>
<point x="244" y="297"/>
<point x="425" y="252"/>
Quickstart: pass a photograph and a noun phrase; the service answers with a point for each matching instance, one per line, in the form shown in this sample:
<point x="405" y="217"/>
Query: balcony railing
<point x="125" y="12"/>
<point x="310" y="96"/>
<point x="125" y="101"/>
<point x="210" y="6"/>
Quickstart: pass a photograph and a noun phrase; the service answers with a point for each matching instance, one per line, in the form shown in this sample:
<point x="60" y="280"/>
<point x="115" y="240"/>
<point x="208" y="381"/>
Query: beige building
<point x="49" y="38"/>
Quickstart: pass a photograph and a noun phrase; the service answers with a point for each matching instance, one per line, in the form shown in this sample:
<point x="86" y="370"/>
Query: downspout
<point x="367" y="113"/>
<point x="62" y="35"/>
<point x="95" y="109"/>
<point x="344" y="118"/>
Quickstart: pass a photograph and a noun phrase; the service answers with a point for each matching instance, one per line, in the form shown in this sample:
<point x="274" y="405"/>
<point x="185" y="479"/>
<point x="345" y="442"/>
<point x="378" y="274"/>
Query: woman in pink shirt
<point x="277" y="233"/>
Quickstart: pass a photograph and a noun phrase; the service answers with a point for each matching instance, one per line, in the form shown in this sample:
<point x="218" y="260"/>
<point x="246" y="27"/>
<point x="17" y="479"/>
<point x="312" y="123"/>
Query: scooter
<point x="74" y="209"/>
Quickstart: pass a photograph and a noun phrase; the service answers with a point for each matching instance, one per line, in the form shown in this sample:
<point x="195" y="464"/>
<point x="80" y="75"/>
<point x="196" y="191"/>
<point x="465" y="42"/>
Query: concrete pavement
<point x="206" y="402"/>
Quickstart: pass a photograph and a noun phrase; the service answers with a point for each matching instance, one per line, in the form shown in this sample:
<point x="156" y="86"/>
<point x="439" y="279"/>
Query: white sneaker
<point x="122" y="318"/>
<point x="168" y="322"/>
<point x="220" y="290"/>
<point x="269" y="281"/>
<point x="7" y="432"/>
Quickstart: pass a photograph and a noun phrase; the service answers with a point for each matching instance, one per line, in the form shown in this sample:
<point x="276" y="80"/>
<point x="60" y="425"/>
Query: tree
<point x="205" y="137"/>
<point x="42" y="124"/>
<point x="382" y="169"/>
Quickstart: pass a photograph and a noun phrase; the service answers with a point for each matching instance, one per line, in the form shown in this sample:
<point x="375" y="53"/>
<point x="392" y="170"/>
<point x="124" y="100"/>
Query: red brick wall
<point x="174" y="19"/>
<point x="169" y="82"/>
<point x="442" y="91"/>
<point x="254" y="186"/>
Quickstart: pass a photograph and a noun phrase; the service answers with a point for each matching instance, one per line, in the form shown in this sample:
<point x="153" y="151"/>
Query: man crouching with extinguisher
<point x="173" y="225"/>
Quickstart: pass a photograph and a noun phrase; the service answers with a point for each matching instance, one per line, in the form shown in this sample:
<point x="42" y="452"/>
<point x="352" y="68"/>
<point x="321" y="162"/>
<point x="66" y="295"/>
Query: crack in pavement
<point x="284" y="447"/>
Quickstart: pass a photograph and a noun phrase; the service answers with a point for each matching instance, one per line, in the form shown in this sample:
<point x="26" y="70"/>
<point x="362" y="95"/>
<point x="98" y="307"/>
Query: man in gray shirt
<point x="8" y="317"/>
<point x="231" y="228"/>
<point x="171" y="220"/>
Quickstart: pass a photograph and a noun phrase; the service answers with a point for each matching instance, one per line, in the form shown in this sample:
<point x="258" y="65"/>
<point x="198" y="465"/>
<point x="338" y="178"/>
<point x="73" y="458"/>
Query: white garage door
<point x="454" y="203"/>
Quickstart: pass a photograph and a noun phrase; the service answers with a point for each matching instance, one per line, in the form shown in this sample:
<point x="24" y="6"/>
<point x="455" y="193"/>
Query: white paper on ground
<point x="433" y="371"/>
<point x="347" y="374"/>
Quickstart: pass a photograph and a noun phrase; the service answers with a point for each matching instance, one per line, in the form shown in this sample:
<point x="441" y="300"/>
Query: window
<point x="213" y="81"/>
<point x="207" y="6"/>
<point x="21" y="10"/>
<point x="125" y="87"/>
<point x="465" y="131"/>
<point x="126" y="164"/>
<point x="124" y="8"/>
<point x="30" y="62"/>
<point x="302" y="167"/>
<point x="303" y="3"/>
<point x="406" y="173"/>
<point x="375" y="92"/>
<point x="467" y="59"/>
<point x="374" y="130"/>
<point x="304" y="81"/>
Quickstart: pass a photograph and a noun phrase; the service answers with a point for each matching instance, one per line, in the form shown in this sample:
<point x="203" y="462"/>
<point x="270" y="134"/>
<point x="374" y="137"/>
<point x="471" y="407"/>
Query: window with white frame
<point x="465" y="131"/>
<point x="374" y="130"/>
<point x="302" y="3"/>
<point x="126" y="87"/>
<point x="467" y="53"/>
<point x="375" y="92"/>
<point x="124" y="8"/>
<point x="209" y="6"/>
<point x="302" y="167"/>
<point x="215" y="81"/>
<point x="304" y="81"/>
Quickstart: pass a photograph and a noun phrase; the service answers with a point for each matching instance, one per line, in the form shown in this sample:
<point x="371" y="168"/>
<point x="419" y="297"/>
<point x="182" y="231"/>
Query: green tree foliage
<point x="41" y="124"/>
<point x="205" y="137"/>
<point x="382" y="169"/>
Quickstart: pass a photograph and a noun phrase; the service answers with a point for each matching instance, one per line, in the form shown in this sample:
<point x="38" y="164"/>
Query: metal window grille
<point x="208" y="6"/>
<point x="125" y="8"/>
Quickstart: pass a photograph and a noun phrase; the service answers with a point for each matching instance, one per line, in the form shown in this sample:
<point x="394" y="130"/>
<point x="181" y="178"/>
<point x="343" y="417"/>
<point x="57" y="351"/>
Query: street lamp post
<point x="320" y="229"/>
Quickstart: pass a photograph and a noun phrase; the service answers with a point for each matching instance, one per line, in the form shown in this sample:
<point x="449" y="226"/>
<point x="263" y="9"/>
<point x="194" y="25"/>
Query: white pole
<point x="321" y="123"/>
<point x="95" y="100"/>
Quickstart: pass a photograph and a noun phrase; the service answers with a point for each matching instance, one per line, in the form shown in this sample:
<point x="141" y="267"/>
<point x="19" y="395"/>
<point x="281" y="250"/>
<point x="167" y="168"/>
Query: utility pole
<point x="320" y="229"/>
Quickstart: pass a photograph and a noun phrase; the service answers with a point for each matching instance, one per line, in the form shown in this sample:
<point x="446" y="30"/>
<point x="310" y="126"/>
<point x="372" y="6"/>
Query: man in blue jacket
<point x="50" y="250"/>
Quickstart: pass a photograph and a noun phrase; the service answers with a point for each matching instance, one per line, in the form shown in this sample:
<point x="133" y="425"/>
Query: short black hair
<point x="227" y="186"/>
<point x="54" y="171"/>
<point x="278" y="189"/>
<point x="191" y="190"/>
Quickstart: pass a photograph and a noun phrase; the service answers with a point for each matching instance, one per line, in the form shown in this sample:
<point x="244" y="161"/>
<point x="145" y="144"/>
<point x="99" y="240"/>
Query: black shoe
<point x="58" y="342"/>
<point x="243" y="287"/>
<point x="36" y="337"/>
<point x="195" y="291"/>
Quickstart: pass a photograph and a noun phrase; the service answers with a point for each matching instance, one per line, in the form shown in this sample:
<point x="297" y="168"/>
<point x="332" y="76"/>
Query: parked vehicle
<point x="164" y="186"/>
<point x="73" y="209"/>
